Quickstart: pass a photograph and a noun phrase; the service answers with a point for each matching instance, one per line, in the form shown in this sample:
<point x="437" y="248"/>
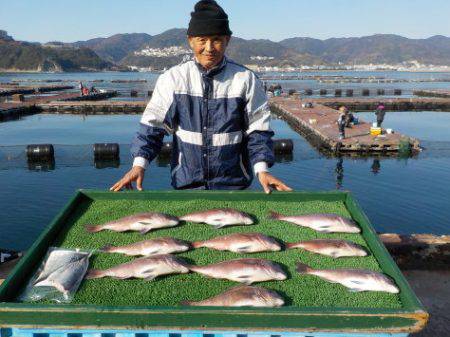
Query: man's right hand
<point x="136" y="174"/>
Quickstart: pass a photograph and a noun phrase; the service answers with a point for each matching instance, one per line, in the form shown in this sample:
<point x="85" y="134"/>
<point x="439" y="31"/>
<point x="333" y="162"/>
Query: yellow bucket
<point x="375" y="131"/>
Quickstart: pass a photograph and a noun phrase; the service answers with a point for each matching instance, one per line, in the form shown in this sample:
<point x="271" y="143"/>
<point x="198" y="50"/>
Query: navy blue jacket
<point x="219" y="120"/>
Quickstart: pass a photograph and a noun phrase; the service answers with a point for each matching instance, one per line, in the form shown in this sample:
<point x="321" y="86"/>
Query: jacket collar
<point x="213" y="71"/>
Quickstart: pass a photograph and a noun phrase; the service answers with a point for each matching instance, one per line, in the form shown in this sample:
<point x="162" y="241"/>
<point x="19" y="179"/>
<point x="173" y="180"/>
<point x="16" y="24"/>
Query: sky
<point x="69" y="21"/>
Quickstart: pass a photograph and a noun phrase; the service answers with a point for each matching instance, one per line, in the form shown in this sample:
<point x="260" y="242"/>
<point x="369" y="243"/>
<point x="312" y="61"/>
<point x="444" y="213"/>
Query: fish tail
<point x="95" y="273"/>
<point x="197" y="244"/>
<point x="107" y="249"/>
<point x="93" y="229"/>
<point x="187" y="303"/>
<point x="290" y="245"/>
<point x="274" y="215"/>
<point x="303" y="268"/>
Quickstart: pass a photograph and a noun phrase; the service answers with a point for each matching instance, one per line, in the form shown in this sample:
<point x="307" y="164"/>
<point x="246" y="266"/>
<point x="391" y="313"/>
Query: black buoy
<point x="323" y="92"/>
<point x="397" y="92"/>
<point x="41" y="164"/>
<point x="308" y="92"/>
<point x="106" y="150"/>
<point x="133" y="93"/>
<point x="365" y="92"/>
<point x="40" y="151"/>
<point x="283" y="146"/>
<point x="349" y="93"/>
<point x="291" y="92"/>
<point x="101" y="163"/>
<point x="338" y="93"/>
<point x="150" y="93"/>
<point x="380" y="92"/>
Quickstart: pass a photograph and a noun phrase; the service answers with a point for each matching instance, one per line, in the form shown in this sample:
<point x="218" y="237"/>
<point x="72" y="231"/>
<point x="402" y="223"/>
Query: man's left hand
<point x="269" y="183"/>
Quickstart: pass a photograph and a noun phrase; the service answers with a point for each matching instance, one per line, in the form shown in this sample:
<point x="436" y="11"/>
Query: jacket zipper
<point x="243" y="168"/>
<point x="180" y="155"/>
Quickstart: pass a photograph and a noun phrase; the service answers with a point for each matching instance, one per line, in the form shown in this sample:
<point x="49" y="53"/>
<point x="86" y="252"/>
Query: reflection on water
<point x="401" y="195"/>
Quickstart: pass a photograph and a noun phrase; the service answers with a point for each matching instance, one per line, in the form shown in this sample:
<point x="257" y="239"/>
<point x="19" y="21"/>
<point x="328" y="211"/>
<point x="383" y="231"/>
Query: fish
<point x="242" y="296"/>
<point x="147" y="268"/>
<point x="150" y="247"/>
<point x="330" y="247"/>
<point x="219" y="217"/>
<point x="58" y="259"/>
<point x="325" y="223"/>
<point x="142" y="222"/>
<point x="354" y="279"/>
<point x="67" y="278"/>
<point x="241" y="243"/>
<point x="246" y="271"/>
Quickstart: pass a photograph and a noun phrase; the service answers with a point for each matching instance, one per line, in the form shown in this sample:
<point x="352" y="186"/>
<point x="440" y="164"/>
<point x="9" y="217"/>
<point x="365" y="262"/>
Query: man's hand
<point x="269" y="182"/>
<point x="135" y="174"/>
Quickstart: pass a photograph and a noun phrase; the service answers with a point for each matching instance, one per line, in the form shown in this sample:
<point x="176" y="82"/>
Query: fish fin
<point x="93" y="229"/>
<point x="107" y="248"/>
<point x="197" y="244"/>
<point x="243" y="249"/>
<point x="150" y="277"/>
<point x="94" y="273"/>
<point x="145" y="230"/>
<point x="354" y="290"/>
<point x="120" y="277"/>
<point x="246" y="279"/>
<point x="356" y="282"/>
<point x="303" y="268"/>
<point x="334" y="255"/>
<point x="187" y="303"/>
<point x="218" y="226"/>
<point x="274" y="215"/>
<point x="290" y="245"/>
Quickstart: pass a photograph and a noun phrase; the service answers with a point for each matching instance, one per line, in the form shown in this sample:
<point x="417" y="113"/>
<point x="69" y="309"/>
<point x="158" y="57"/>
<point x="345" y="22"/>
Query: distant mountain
<point x="25" y="56"/>
<point x="169" y="48"/>
<point x="116" y="47"/>
<point x="377" y="49"/>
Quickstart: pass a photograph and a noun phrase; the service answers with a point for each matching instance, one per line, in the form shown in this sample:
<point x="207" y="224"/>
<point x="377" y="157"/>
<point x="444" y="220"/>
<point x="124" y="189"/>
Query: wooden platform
<point x="8" y="90"/>
<point x="94" y="107"/>
<point x="318" y="125"/>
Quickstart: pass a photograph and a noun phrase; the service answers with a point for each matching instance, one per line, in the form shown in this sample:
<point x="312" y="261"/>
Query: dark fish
<point x="242" y="296"/>
<point x="330" y="247"/>
<point x="150" y="247"/>
<point x="142" y="222"/>
<point x="147" y="268"/>
<point x="245" y="271"/>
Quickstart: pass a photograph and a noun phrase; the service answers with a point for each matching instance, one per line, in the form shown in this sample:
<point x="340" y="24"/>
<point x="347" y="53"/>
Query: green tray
<point x="408" y="316"/>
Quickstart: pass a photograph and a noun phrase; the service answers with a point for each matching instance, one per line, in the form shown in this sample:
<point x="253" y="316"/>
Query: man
<point x="341" y="122"/>
<point x="380" y="113"/>
<point x="217" y="112"/>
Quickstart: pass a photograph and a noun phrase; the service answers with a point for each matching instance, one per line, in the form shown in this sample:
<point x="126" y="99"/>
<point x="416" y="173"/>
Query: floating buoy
<point x="284" y="146"/>
<point x="40" y="151"/>
<point x="106" y="150"/>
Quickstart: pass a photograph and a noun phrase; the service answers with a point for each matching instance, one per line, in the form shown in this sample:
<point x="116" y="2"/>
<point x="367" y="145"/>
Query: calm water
<point x="398" y="195"/>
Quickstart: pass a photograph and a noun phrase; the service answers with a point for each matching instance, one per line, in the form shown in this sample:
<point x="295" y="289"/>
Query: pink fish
<point x="219" y="218"/>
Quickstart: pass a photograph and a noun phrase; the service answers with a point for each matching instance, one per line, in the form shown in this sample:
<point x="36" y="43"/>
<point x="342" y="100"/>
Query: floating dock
<point x="433" y="93"/>
<point x="318" y="125"/>
<point x="391" y="104"/>
<point x="9" y="90"/>
<point x="94" y="107"/>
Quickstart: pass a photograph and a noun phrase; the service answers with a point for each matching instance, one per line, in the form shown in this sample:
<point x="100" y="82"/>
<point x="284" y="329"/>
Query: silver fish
<point x="58" y="259"/>
<point x="147" y="268"/>
<point x="219" y="217"/>
<point x="330" y="247"/>
<point x="241" y="243"/>
<point x="150" y="247"/>
<point x="354" y="279"/>
<point x="142" y="222"/>
<point x="67" y="279"/>
<point x="326" y="223"/>
<point x="242" y="296"/>
<point x="245" y="271"/>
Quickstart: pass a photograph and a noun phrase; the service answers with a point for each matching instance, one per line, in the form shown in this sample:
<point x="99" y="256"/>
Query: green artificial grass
<point x="298" y="290"/>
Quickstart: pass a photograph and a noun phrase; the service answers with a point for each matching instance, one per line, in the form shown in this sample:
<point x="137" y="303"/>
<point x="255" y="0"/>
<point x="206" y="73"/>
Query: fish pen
<point x="313" y="307"/>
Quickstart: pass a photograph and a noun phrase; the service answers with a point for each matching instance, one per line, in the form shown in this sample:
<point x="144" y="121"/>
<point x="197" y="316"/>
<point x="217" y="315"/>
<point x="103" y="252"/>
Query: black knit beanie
<point x="208" y="18"/>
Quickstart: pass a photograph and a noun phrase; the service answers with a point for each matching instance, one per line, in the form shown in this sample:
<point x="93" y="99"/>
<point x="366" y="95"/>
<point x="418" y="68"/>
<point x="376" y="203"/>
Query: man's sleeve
<point x="156" y="120"/>
<point x="260" y="144"/>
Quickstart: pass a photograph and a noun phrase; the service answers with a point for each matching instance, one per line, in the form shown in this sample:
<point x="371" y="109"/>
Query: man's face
<point x="209" y="50"/>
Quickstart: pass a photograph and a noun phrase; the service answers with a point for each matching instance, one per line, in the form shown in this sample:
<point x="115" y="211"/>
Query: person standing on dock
<point x="341" y="121"/>
<point x="380" y="113"/>
<point x="217" y="112"/>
